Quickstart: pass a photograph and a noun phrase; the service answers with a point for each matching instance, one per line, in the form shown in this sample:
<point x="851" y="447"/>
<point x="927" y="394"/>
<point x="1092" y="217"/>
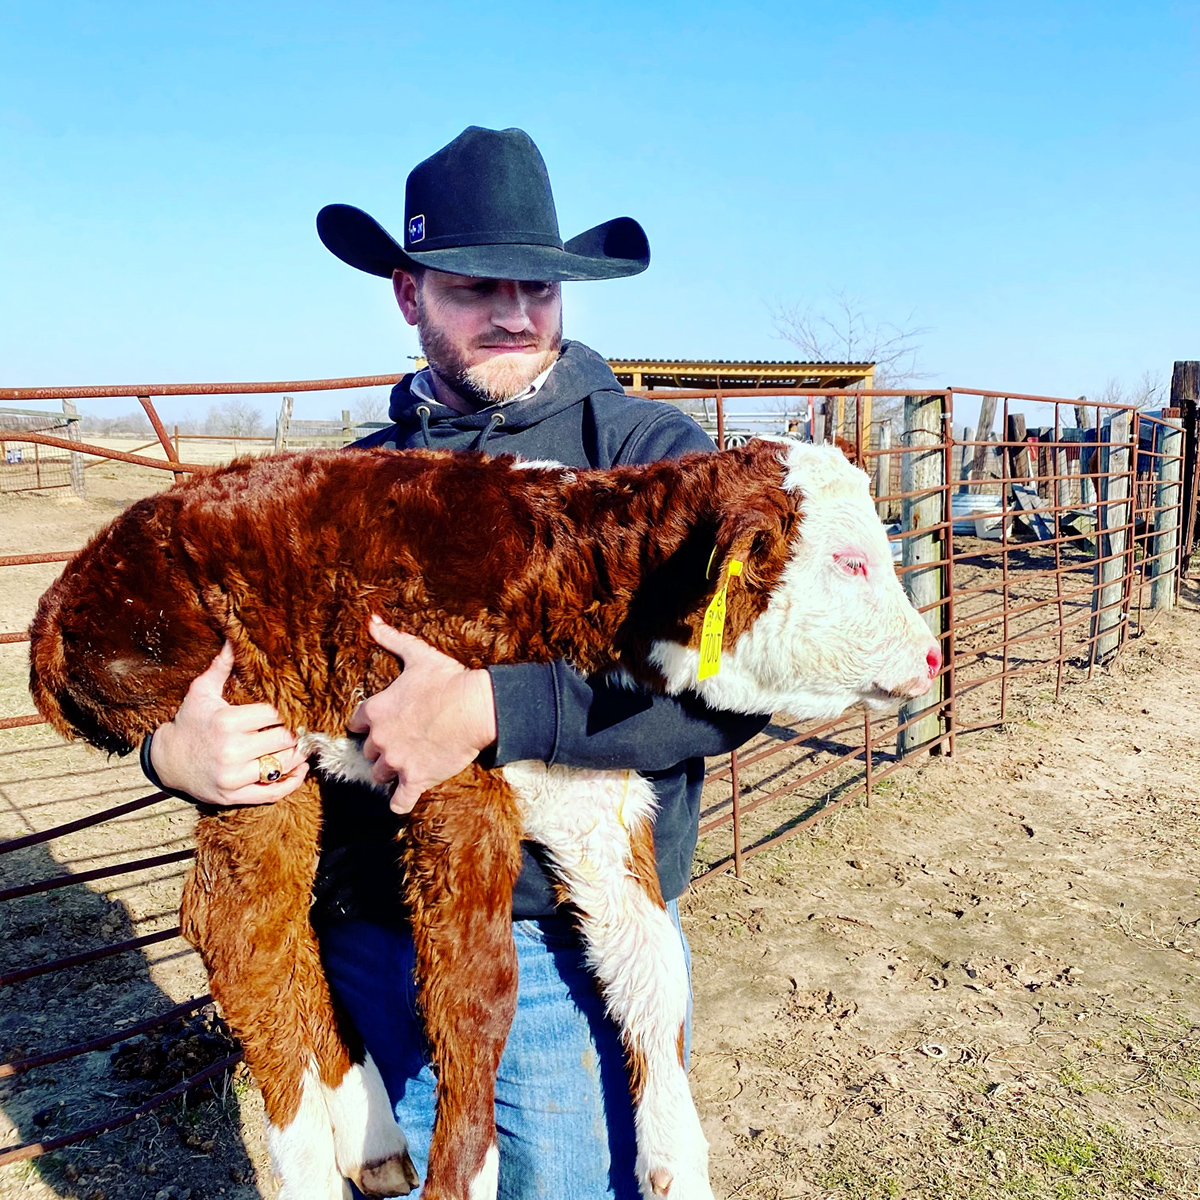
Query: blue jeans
<point x="564" y="1117"/>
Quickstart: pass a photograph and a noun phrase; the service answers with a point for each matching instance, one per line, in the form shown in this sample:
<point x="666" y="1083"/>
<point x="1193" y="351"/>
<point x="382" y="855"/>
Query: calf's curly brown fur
<point x="287" y="558"/>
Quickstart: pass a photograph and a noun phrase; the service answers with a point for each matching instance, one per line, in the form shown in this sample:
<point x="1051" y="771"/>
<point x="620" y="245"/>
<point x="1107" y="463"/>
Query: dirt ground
<point x="983" y="985"/>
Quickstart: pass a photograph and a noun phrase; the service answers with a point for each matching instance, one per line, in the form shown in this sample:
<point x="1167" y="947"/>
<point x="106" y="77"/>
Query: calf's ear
<point x="851" y="451"/>
<point x="758" y="536"/>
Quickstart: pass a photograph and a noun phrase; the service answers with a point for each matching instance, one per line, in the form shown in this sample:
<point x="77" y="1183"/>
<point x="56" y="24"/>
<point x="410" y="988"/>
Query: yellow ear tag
<point x="712" y="632"/>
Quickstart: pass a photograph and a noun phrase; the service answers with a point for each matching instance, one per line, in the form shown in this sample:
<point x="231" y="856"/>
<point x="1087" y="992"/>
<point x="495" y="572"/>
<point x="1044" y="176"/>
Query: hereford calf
<point x="759" y="578"/>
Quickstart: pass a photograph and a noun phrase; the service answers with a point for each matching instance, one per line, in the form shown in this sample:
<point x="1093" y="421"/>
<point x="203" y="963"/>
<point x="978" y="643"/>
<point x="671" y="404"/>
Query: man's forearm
<point x="550" y="713"/>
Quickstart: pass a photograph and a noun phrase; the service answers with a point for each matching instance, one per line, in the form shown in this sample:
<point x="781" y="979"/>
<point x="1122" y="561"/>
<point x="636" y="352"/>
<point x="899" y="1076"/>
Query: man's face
<point x="488" y="338"/>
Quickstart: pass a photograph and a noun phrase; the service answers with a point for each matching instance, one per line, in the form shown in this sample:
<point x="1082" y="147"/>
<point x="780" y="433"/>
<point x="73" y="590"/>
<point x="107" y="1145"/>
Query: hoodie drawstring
<point x="495" y="420"/>
<point x="423" y="413"/>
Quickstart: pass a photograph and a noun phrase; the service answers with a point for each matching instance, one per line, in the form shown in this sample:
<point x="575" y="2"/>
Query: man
<point x="479" y="275"/>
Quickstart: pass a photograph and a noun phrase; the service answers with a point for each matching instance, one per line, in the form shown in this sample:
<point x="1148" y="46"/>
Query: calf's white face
<point x="839" y="629"/>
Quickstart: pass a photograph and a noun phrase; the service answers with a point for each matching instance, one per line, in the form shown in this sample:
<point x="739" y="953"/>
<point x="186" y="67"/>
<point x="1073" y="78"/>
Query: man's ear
<point x="405" y="287"/>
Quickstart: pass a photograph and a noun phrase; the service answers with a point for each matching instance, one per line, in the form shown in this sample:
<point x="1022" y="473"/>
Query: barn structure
<point x="651" y="374"/>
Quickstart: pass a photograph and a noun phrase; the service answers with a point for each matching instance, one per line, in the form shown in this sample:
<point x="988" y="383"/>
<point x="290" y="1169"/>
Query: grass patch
<point x="1029" y="1155"/>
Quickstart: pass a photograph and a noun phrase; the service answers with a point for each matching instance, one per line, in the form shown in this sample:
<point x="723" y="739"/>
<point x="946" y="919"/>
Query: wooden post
<point x="347" y="428"/>
<point x="76" y="464"/>
<point x="281" y="424"/>
<point x="1165" y="542"/>
<point x="966" y="457"/>
<point x="175" y="440"/>
<point x="883" y="471"/>
<point x="987" y="418"/>
<point x="1085" y="419"/>
<point x="839" y="424"/>
<point x="923" y="471"/>
<point x="1110" y="592"/>
<point x="818" y="424"/>
<point x="1018" y="449"/>
<point x="1062" y="489"/>
<point x="1045" y="468"/>
<point x="1185" y="397"/>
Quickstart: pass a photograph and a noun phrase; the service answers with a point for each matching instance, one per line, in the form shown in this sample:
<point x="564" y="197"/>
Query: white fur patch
<point x="545" y="464"/>
<point x="337" y="757"/>
<point x="302" y="1152"/>
<point x="486" y="1183"/>
<point x="584" y="819"/>
<point x="365" y="1133"/>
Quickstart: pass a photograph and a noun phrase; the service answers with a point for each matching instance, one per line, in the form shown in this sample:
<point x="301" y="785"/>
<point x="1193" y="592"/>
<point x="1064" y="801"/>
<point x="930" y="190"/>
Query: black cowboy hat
<point x="482" y="206"/>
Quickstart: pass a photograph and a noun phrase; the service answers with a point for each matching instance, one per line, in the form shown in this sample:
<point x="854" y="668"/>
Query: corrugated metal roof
<point x="731" y="362"/>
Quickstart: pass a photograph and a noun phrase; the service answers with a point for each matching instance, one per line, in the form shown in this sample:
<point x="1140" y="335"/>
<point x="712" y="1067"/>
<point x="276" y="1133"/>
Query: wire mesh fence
<point x="1035" y="541"/>
<point x="27" y="465"/>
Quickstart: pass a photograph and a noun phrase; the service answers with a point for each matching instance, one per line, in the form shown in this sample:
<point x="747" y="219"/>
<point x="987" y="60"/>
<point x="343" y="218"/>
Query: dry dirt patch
<point x="984" y="984"/>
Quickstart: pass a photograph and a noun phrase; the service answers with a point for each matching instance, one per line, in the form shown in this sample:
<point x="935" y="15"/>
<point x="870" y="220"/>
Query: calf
<point x="758" y="578"/>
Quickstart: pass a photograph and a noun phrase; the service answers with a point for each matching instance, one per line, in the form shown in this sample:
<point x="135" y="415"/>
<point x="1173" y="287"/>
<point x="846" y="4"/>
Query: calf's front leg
<point x="245" y="908"/>
<point x="462" y="857"/>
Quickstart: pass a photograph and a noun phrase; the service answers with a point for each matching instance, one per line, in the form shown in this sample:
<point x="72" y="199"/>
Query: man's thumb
<point x="212" y="679"/>
<point x="392" y="640"/>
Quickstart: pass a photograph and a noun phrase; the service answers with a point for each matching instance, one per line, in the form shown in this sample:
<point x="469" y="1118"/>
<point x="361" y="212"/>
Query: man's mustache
<point x="517" y="342"/>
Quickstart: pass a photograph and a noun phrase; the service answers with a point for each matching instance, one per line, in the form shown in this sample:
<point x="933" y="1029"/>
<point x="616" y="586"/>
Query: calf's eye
<point x="852" y="564"/>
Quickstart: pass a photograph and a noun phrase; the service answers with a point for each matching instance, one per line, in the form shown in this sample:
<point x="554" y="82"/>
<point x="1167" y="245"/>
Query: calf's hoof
<point x="394" y="1176"/>
<point x="679" y="1182"/>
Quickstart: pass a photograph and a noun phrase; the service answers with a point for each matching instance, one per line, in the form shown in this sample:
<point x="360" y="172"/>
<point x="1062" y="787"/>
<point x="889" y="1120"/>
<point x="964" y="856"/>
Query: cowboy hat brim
<point x="613" y="250"/>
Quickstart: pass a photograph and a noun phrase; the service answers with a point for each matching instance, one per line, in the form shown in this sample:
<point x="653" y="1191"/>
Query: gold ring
<point x="270" y="769"/>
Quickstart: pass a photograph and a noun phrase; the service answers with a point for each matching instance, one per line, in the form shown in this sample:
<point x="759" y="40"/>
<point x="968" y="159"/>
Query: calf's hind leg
<point x="245" y="907"/>
<point x="596" y="826"/>
<point x="462" y="857"/>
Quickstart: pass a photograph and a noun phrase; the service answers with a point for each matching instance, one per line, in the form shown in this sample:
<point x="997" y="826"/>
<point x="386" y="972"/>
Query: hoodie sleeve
<point x="550" y="713"/>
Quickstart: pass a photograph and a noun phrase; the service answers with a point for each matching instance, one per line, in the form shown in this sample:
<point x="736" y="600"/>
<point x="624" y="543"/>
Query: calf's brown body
<point x="287" y="558"/>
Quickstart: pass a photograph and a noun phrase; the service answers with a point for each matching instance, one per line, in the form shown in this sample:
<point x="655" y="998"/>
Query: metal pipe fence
<point x="1034" y="550"/>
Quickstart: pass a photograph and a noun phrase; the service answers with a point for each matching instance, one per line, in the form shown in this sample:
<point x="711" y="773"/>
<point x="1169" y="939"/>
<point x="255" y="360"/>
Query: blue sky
<point x="1022" y="178"/>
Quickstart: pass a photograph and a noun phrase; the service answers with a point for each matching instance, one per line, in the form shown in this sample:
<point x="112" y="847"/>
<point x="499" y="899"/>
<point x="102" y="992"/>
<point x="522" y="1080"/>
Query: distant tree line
<point x="237" y="416"/>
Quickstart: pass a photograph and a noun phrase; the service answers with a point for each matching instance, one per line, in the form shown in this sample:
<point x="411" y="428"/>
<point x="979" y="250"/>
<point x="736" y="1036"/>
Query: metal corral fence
<point x="1036" y="541"/>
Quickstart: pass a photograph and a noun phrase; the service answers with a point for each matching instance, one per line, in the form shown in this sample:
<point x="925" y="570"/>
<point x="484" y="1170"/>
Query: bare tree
<point x="1148" y="392"/>
<point x="370" y="406"/>
<point x="235" y="417"/>
<point x="840" y="331"/>
<point x="135" y="423"/>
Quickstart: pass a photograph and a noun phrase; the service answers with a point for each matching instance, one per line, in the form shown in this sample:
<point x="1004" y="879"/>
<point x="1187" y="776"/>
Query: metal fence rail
<point x="1034" y="546"/>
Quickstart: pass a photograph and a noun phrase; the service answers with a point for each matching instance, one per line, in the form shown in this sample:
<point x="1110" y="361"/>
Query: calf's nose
<point x="933" y="660"/>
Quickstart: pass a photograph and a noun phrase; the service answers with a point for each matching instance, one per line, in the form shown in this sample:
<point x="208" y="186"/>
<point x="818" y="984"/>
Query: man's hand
<point x="211" y="749"/>
<point x="429" y="724"/>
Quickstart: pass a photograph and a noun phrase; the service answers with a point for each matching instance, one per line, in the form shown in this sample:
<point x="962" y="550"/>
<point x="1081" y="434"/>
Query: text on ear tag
<point x="712" y="632"/>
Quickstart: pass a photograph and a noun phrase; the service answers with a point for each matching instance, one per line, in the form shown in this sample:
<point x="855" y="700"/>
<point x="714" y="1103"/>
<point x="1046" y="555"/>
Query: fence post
<point x="1185" y="395"/>
<point x="987" y="417"/>
<point x="966" y="455"/>
<point x="281" y="424"/>
<point x="347" y="428"/>
<point x="1165" y="542"/>
<point x="1087" y="487"/>
<point x="924" y="472"/>
<point x="1110" y="592"/>
<point x="76" y="466"/>
<point x="883" y="471"/>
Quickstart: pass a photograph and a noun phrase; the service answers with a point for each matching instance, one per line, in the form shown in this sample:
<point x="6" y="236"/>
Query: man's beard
<point x="496" y="380"/>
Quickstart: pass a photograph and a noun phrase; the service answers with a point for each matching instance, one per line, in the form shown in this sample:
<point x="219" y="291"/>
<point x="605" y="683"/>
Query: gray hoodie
<point x="547" y="711"/>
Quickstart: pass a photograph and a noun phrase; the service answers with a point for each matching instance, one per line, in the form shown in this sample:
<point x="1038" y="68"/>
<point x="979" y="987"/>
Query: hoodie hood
<point x="578" y="374"/>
